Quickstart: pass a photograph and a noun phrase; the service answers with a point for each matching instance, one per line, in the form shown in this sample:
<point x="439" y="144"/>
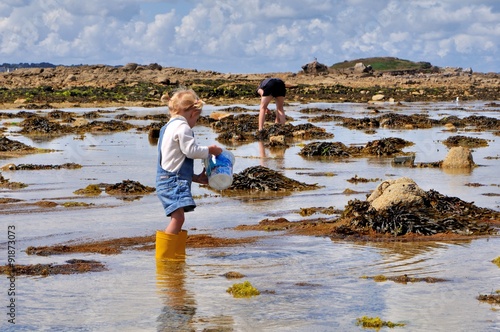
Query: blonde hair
<point x="183" y="100"/>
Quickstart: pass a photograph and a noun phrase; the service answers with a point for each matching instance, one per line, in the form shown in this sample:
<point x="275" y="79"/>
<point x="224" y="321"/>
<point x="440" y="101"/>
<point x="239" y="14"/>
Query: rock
<point x="378" y="97"/>
<point x="163" y="79"/>
<point x="70" y="78"/>
<point x="314" y="68"/>
<point x="165" y="98"/>
<point x="468" y="71"/>
<point x="278" y="140"/>
<point x="450" y="127"/>
<point x="359" y="67"/>
<point x="391" y="192"/>
<point x="130" y="66"/>
<point x="79" y="122"/>
<point x="458" y="157"/>
<point x="219" y="115"/>
<point x="154" y="66"/>
<point x="8" y="167"/>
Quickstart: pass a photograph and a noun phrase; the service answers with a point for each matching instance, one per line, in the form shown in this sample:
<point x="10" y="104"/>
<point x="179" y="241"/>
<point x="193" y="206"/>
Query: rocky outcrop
<point x="315" y="68"/>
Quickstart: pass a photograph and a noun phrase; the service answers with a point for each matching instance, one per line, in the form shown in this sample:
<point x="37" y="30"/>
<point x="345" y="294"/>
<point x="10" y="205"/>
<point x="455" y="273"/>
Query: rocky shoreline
<point x="136" y="85"/>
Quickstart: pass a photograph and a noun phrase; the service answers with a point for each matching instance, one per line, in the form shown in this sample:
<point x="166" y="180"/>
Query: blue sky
<point x="250" y="36"/>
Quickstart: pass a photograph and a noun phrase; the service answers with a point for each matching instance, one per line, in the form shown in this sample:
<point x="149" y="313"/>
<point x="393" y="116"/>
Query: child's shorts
<point x="275" y="87"/>
<point x="174" y="193"/>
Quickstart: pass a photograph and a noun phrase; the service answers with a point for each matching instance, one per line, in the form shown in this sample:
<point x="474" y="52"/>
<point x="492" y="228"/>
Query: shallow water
<point x="307" y="283"/>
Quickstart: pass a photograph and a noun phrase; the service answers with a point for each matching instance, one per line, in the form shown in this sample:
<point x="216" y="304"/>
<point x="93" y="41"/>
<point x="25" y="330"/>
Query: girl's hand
<point x="201" y="178"/>
<point x="215" y="150"/>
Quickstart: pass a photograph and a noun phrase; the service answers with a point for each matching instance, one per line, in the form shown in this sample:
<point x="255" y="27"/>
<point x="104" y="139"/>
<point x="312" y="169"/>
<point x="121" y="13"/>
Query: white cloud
<point x="243" y="35"/>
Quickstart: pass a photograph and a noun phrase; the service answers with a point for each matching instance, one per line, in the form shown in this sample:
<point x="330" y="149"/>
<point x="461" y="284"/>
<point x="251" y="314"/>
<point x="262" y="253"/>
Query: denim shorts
<point x="174" y="193"/>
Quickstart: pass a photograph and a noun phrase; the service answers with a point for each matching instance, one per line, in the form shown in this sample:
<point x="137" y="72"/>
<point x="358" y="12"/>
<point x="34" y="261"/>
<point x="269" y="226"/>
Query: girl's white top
<point x="178" y="143"/>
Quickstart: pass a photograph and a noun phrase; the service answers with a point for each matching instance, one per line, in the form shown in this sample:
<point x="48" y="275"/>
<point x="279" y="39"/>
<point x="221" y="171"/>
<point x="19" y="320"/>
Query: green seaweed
<point x="90" y="190"/>
<point x="244" y="289"/>
<point x="496" y="261"/>
<point x="75" y="204"/>
<point x="380" y="278"/>
<point x="375" y="322"/>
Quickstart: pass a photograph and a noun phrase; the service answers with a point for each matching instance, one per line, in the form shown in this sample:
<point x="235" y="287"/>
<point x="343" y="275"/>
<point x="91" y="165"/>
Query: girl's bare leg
<point x="176" y="222"/>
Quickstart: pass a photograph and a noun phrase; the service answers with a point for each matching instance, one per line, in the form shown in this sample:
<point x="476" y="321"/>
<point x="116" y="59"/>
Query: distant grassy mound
<point x="385" y="64"/>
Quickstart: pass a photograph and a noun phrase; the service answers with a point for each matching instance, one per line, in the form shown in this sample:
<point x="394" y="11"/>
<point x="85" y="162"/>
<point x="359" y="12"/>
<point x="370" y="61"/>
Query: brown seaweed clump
<point x="310" y="227"/>
<point x="60" y="115"/>
<point x="404" y="279"/>
<point x="8" y="145"/>
<point x="103" y="247"/>
<point x="490" y="298"/>
<point x="326" y="149"/>
<point x="5" y="183"/>
<point x="129" y="187"/>
<point x="105" y="126"/>
<point x="37" y="125"/>
<point x="479" y="122"/>
<point x="72" y="266"/>
<point x="464" y="141"/>
<point x="383" y="147"/>
<point x="117" y="245"/>
<point x="235" y="127"/>
<point x="32" y="167"/>
<point x="264" y="179"/>
<point x="391" y="120"/>
<point x="243" y="128"/>
<point x="435" y="213"/>
<point x="290" y="132"/>
<point x="234" y="275"/>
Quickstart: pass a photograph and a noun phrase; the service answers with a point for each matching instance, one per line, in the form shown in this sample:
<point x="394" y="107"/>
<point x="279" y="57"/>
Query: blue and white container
<point x="219" y="170"/>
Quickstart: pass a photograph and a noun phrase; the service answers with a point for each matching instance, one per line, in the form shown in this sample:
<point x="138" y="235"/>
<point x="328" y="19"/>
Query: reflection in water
<point x="412" y="258"/>
<point x="275" y="161"/>
<point x="153" y="136"/>
<point x="408" y="250"/>
<point x="179" y="305"/>
<point x="457" y="171"/>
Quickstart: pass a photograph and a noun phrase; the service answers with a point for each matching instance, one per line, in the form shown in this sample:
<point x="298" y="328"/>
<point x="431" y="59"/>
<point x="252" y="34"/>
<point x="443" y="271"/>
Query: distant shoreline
<point x="134" y="85"/>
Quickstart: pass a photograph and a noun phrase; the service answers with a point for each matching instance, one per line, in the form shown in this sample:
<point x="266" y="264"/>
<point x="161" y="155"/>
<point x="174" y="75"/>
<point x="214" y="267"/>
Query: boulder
<point x="359" y="67"/>
<point x="163" y="79"/>
<point x="314" y="68"/>
<point x="399" y="191"/>
<point x="131" y="66"/>
<point x="378" y="97"/>
<point x="458" y="157"/>
<point x="278" y="140"/>
<point x="468" y="71"/>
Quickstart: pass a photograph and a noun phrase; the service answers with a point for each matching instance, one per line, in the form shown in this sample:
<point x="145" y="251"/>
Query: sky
<point x="250" y="36"/>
